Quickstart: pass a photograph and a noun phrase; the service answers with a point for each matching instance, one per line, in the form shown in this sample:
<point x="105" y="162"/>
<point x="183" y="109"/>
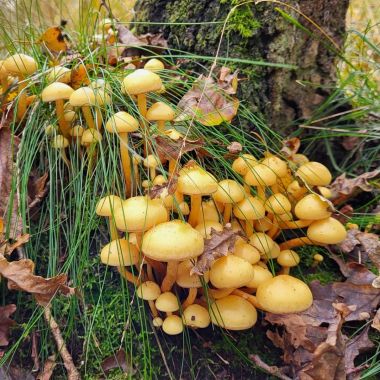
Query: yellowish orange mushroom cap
<point x="229" y="191"/>
<point x="295" y="190"/>
<point x="107" y="205"/>
<point x="141" y="81"/>
<point x="273" y="253"/>
<point x="247" y="252"/>
<point x="260" y="275"/>
<point x="260" y="175"/>
<point x="77" y="131"/>
<point x="242" y="164"/>
<point x="122" y="122"/>
<point x="167" y="302"/>
<point x="195" y="180"/>
<point x="148" y="291"/>
<point x="278" y="204"/>
<point x="230" y="272"/>
<point x="187" y="280"/>
<point x="208" y="212"/>
<point x="20" y="65"/>
<point x="299" y="159"/>
<point x="233" y="313"/>
<point x="172" y="325"/>
<point x="154" y="65"/>
<point x="276" y="165"/>
<point x="59" y="74"/>
<point x="56" y="91"/>
<point x="172" y="241"/>
<point x="83" y="97"/>
<point x="160" y="111"/>
<point x="327" y="231"/>
<point x="312" y="207"/>
<point x="59" y="142"/>
<point x="119" y="253"/>
<point x="196" y="316"/>
<point x="250" y="208"/>
<point x="314" y="174"/>
<point x="205" y="227"/>
<point x="288" y="258"/>
<point x="325" y="192"/>
<point x="91" y="136"/>
<point x="263" y="224"/>
<point x="69" y="113"/>
<point x="157" y="322"/>
<point x="139" y="214"/>
<point x="262" y="242"/>
<point x="284" y="294"/>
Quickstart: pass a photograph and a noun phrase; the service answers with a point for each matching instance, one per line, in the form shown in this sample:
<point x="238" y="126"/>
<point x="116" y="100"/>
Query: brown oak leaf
<point x="168" y="149"/>
<point x="119" y="360"/>
<point x="6" y="323"/>
<point x="290" y="146"/>
<point x="163" y="190"/>
<point x="218" y="245"/>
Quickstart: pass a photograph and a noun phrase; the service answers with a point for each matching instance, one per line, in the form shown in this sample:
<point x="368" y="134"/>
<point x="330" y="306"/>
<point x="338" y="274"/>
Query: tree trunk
<point x="260" y="32"/>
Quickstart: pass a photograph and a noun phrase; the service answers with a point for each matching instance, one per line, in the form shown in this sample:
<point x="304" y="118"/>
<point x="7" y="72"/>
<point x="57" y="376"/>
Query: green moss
<point x="242" y="20"/>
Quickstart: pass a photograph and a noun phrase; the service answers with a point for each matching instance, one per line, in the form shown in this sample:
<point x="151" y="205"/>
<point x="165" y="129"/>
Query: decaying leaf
<point x="168" y="149"/>
<point x="119" y="360"/>
<point x="6" y="322"/>
<point x="344" y="213"/>
<point x="235" y="148"/>
<point x="7" y="248"/>
<point x="344" y="188"/>
<point x="37" y="189"/>
<point x="54" y="40"/>
<point x="376" y="321"/>
<point x="228" y="81"/>
<point x="79" y="76"/>
<point x="218" y="245"/>
<point x="208" y="103"/>
<point x="351" y="142"/>
<point x="20" y="277"/>
<point x="290" y="146"/>
<point x="164" y="190"/>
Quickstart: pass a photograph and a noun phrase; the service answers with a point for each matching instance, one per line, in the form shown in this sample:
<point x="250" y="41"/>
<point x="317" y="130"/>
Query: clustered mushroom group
<point x="156" y="242"/>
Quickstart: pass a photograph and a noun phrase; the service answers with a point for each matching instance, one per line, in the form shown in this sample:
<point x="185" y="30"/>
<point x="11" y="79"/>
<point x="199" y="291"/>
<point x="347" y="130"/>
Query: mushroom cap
<point x="154" y="65"/>
<point x="102" y="97"/>
<point x="122" y="122"/>
<point x="327" y="231"/>
<point x="167" y="302"/>
<point x="172" y="325"/>
<point x="273" y="253"/>
<point x="196" y="316"/>
<point x="208" y="212"/>
<point x="59" y="142"/>
<point x="119" y="253"/>
<point x="140" y="214"/>
<point x="69" y="113"/>
<point x="205" y="227"/>
<point x="278" y="166"/>
<point x="157" y="322"/>
<point x="233" y="313"/>
<point x="278" y="204"/>
<point x="299" y="159"/>
<point x="3" y="70"/>
<point x="260" y="175"/>
<point x="172" y="241"/>
<point x="151" y="161"/>
<point x="20" y="64"/>
<point x="314" y="174"/>
<point x="160" y="111"/>
<point x="288" y="258"/>
<point x="244" y="163"/>
<point x="107" y="205"/>
<point x="195" y="180"/>
<point x="187" y="280"/>
<point x="230" y="272"/>
<point x="312" y="207"/>
<point x="77" y="131"/>
<point x="229" y="191"/>
<point x="173" y="134"/>
<point x="250" y="208"/>
<point x="51" y="129"/>
<point x="100" y="83"/>
<point x="263" y="224"/>
<point x="56" y="91"/>
<point x="148" y="291"/>
<point x="325" y="192"/>
<point x="91" y="136"/>
<point x="141" y="81"/>
<point x="84" y="96"/>
<point x="260" y="274"/>
<point x="247" y="252"/>
<point x="284" y="294"/>
<point x="295" y="190"/>
<point x="262" y="242"/>
<point x="59" y="74"/>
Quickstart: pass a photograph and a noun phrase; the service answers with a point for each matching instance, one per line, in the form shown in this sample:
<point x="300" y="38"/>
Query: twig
<point x="273" y="370"/>
<point x="72" y="372"/>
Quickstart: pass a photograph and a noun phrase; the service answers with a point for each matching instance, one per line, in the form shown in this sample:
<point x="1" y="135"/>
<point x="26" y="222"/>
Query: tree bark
<point x="260" y="32"/>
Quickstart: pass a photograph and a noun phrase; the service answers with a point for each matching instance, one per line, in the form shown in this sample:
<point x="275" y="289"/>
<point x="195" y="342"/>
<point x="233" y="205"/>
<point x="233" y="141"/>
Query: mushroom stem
<point x="196" y="201"/>
<point x="149" y="272"/>
<point x="249" y="227"/>
<point x="99" y="119"/>
<point x="141" y="104"/>
<point x="190" y="298"/>
<point x="172" y="166"/>
<point x="274" y="229"/>
<point x="113" y="230"/>
<point x="227" y="212"/>
<point x="158" y="267"/>
<point x="21" y="105"/>
<point x="289" y="225"/>
<point x="128" y="276"/>
<point x="64" y="126"/>
<point x="153" y="309"/>
<point x="296" y="242"/>
<point x="126" y="163"/>
<point x="170" y="277"/>
<point x="284" y="270"/>
<point x="135" y="175"/>
<point x="247" y="188"/>
<point x="261" y="193"/>
<point x="30" y="99"/>
<point x="91" y="154"/>
<point x="88" y="117"/>
<point x="152" y="173"/>
<point x="249" y="297"/>
<point x="64" y="157"/>
<point x="275" y="188"/>
<point x="161" y="125"/>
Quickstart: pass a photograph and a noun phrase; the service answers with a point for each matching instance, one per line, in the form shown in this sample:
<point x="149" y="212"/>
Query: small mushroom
<point x="154" y="65"/>
<point x="241" y="166"/>
<point x="327" y="231"/>
<point x="59" y="74"/>
<point x="151" y="162"/>
<point x="3" y="78"/>
<point x="172" y="325"/>
<point x="196" y="316"/>
<point x="84" y="97"/>
<point x="249" y="210"/>
<point x="260" y="274"/>
<point x="167" y="302"/>
<point x="107" y="206"/>
<point x="247" y="252"/>
<point x="61" y="143"/>
<point x="150" y="291"/>
<point x="312" y="207"/>
<point x="288" y="259"/>
<point x="161" y="113"/>
<point x="314" y="174"/>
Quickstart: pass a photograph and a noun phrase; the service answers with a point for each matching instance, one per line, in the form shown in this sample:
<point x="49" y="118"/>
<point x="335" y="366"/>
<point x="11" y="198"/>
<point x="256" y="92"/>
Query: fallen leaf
<point x="7" y="248"/>
<point x="290" y="146"/>
<point x="218" y="245"/>
<point x="119" y="360"/>
<point x="34" y="353"/>
<point x="168" y="149"/>
<point x="351" y="142"/>
<point x="344" y="214"/>
<point x="20" y="277"/>
<point x="48" y="368"/>
<point x="208" y="103"/>
<point x="164" y="190"/>
<point x="37" y="189"/>
<point x="235" y="148"/>
<point x="344" y="188"/>
<point x="6" y="323"/>
<point x="228" y="81"/>
<point x="376" y="321"/>
<point x="79" y="76"/>
<point x="54" y="40"/>
<point x="8" y="172"/>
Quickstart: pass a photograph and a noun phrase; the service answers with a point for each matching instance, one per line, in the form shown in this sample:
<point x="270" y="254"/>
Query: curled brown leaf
<point x="163" y="190"/>
<point x="290" y="146"/>
<point x="118" y="360"/>
<point x="6" y="323"/>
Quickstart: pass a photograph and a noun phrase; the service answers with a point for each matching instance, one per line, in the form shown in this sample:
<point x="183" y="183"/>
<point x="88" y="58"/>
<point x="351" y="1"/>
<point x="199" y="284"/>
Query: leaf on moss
<point x="54" y="40"/>
<point x="119" y="360"/>
<point x="218" y="245"/>
<point x="168" y="149"/>
<point x="6" y="323"/>
<point x="20" y="277"/>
